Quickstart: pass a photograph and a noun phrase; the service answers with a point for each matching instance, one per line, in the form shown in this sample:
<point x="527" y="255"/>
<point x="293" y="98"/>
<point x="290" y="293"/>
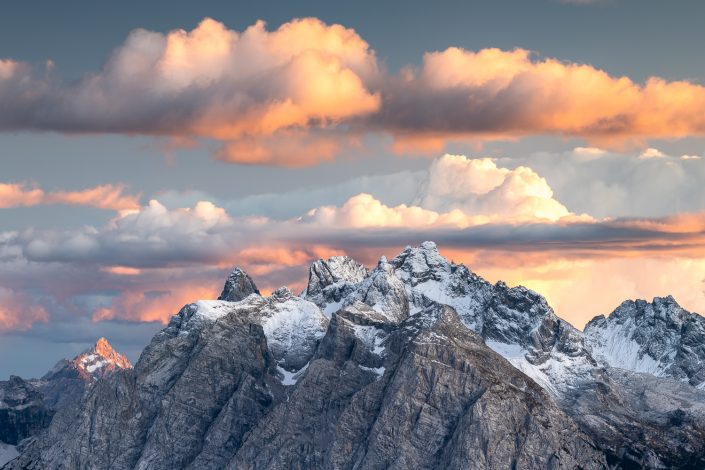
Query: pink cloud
<point x="110" y="197"/>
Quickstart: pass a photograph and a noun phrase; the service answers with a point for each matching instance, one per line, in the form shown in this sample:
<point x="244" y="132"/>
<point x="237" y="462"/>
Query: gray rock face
<point x="331" y="282"/>
<point x="426" y="393"/>
<point x="368" y="389"/>
<point x="22" y="410"/>
<point x="641" y="421"/>
<point x="27" y="407"/>
<point x="657" y="337"/>
<point x="68" y="380"/>
<point x="238" y="286"/>
<point x="418" y="363"/>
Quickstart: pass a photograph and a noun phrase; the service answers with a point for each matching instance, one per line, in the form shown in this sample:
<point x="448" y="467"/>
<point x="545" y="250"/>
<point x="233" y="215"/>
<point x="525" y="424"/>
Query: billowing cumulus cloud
<point x="110" y="197"/>
<point x="458" y="192"/>
<point x="149" y="236"/>
<point x="479" y="187"/>
<point x="494" y="93"/>
<point x="607" y="184"/>
<point x="209" y="82"/>
<point x="307" y="91"/>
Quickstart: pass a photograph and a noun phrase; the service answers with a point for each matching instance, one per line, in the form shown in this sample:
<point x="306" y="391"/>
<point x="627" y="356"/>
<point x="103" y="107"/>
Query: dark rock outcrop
<point x="238" y="286"/>
<point x="22" y="410"/>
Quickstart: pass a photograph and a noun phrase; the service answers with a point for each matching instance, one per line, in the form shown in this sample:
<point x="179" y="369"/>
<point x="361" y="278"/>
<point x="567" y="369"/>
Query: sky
<point x="147" y="148"/>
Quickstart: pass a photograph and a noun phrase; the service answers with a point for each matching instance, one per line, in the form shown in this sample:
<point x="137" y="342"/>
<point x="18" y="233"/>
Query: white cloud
<point x="477" y="187"/>
<point x="652" y="153"/>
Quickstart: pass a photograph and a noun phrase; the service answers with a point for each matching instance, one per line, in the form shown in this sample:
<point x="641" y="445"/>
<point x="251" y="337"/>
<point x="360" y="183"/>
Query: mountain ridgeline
<point x="416" y="363"/>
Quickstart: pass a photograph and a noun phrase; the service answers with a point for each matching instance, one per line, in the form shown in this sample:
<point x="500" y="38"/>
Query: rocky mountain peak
<point x="419" y="264"/>
<point x="22" y="410"/>
<point x="417" y="363"/>
<point x="283" y="293"/>
<point x="657" y="337"/>
<point x="324" y="273"/>
<point x="660" y="309"/>
<point x="238" y="286"/>
<point x="100" y="360"/>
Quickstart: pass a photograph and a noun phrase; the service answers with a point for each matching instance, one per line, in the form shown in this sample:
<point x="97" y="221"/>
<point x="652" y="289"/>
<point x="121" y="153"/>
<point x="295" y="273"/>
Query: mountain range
<point x="416" y="363"/>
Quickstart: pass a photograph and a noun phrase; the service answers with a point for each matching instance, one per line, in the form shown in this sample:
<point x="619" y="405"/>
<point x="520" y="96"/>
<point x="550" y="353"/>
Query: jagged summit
<point x="93" y="363"/>
<point x="415" y="363"/>
<point x="101" y="359"/>
<point x="657" y="337"/>
<point x="66" y="382"/>
<point x="238" y="286"/>
<point x="324" y="273"/>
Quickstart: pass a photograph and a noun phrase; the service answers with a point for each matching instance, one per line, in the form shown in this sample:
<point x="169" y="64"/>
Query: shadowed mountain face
<point x="22" y="410"/>
<point x="417" y="363"/>
<point x="27" y="406"/>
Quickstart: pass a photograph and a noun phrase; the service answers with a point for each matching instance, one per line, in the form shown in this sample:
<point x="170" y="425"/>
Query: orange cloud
<point x="160" y="305"/>
<point x="107" y="196"/>
<point x="494" y="93"/>
<point x="122" y="270"/>
<point x="236" y="87"/>
<point x="16" y="195"/>
<point x="292" y="149"/>
<point x="103" y="197"/>
<point x="299" y="94"/>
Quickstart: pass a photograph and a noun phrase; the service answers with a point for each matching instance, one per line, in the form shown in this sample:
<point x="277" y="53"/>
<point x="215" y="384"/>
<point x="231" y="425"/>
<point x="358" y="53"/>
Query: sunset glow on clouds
<point x="103" y="197"/>
<point x="504" y="223"/>
<point x="301" y="93"/>
<point x="269" y="146"/>
<point x="499" y="94"/>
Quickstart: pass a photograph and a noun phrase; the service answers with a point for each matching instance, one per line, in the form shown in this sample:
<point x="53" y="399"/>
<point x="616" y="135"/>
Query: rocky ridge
<point x="28" y="406"/>
<point x="416" y="363"/>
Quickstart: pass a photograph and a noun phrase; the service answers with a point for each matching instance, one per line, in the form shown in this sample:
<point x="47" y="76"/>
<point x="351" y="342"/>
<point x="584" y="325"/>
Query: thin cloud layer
<point x="108" y="196"/>
<point x="307" y="91"/>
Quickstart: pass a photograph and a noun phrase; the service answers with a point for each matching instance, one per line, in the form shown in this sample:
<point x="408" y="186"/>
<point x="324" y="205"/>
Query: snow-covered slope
<point x="92" y="364"/>
<point x="658" y="338"/>
<point x="515" y="322"/>
<point x="7" y="453"/>
<point x="292" y="325"/>
<point x="402" y="363"/>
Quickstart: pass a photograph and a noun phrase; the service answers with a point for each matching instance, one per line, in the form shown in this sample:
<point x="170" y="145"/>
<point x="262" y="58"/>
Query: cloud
<point x="480" y="188"/>
<point x="110" y="197"/>
<point x="608" y="184"/>
<point x="210" y="82"/>
<point x="462" y="202"/>
<point x="18" y="311"/>
<point x="497" y="94"/>
<point x="652" y="153"/>
<point x="15" y="195"/>
<point x="505" y="221"/>
<point x="458" y="192"/>
<point x="152" y="235"/>
<point x="307" y="91"/>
